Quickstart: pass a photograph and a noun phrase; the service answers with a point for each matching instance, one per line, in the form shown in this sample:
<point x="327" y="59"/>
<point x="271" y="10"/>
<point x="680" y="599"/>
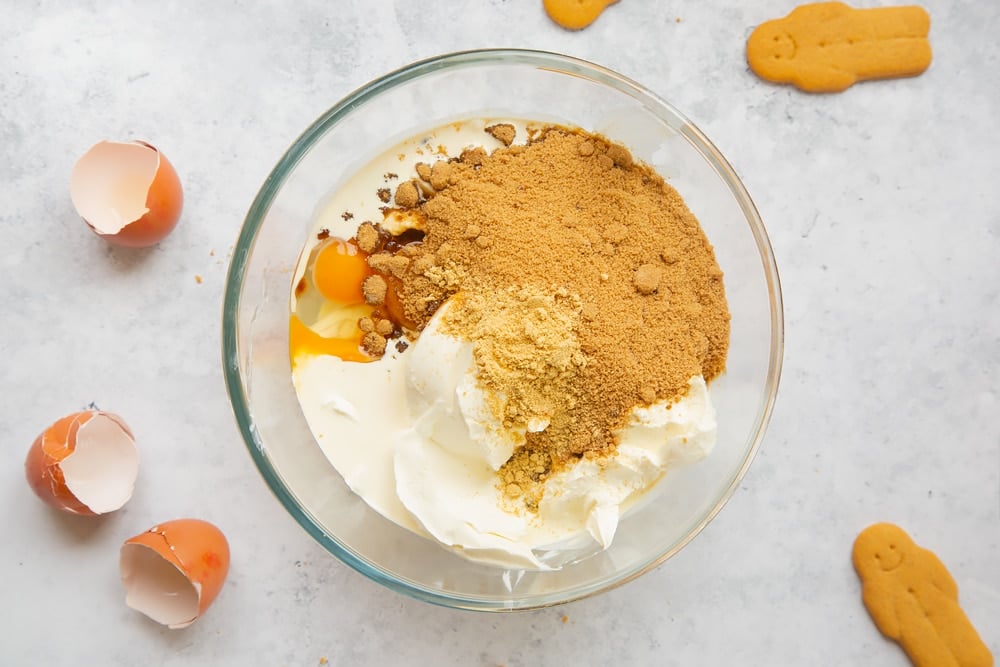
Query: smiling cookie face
<point x="882" y="547"/>
<point x="772" y="42"/>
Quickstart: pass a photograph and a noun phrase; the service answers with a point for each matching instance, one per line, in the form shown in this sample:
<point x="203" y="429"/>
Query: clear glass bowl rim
<point x="265" y="197"/>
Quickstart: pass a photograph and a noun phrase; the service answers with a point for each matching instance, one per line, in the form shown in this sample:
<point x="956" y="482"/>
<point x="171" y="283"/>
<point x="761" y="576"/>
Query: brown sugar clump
<point x="374" y="289"/>
<point x="392" y="265"/>
<point x="423" y="171"/>
<point x="619" y="155"/>
<point x="474" y="156"/>
<point x="384" y="327"/>
<point x="441" y="175"/>
<point x="407" y="195"/>
<point x="502" y="132"/>
<point x="647" y="278"/>
<point x="367" y="237"/>
<point x="366" y="324"/>
<point x="373" y="344"/>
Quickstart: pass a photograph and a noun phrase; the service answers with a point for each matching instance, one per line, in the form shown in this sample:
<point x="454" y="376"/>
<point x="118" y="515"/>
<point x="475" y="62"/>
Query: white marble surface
<point x="882" y="207"/>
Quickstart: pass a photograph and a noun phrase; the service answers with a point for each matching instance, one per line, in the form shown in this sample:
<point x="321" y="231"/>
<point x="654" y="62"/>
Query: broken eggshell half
<point x="85" y="463"/>
<point x="127" y="192"/>
<point x="173" y="571"/>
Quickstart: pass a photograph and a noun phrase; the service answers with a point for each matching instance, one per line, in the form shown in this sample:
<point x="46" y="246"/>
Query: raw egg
<point x="127" y="192"/>
<point x="173" y="571"/>
<point x="85" y="463"/>
<point x="339" y="269"/>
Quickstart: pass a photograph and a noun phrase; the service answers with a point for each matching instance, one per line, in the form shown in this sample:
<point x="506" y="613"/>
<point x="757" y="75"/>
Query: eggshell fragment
<point x="85" y="463"/>
<point x="174" y="570"/>
<point x="127" y="192"/>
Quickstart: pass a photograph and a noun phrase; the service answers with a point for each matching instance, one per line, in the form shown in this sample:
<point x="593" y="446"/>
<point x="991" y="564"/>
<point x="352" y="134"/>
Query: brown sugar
<point x="367" y="237"/>
<point x="374" y="289"/>
<point x="502" y="132"/>
<point x="407" y="195"/>
<point x="583" y="281"/>
<point x="373" y="343"/>
<point x="474" y="156"/>
<point x="647" y="278"/>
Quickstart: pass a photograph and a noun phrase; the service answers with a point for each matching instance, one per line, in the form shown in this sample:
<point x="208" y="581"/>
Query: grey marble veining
<point x="882" y="207"/>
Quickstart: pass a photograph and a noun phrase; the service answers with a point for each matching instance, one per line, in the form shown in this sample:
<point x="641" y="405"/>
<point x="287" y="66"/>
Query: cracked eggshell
<point x="127" y="192"/>
<point x="173" y="571"/>
<point x="85" y="463"/>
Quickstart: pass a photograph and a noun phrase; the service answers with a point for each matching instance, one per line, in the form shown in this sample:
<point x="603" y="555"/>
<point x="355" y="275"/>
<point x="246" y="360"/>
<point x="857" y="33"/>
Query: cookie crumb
<point x="502" y="132"/>
<point x="401" y="346"/>
<point x="323" y="660"/>
<point x="407" y="195"/>
<point x="647" y="278"/>
<point x="347" y="215"/>
<point x="323" y="234"/>
<point x="384" y="195"/>
<point x="197" y="278"/>
<point x="374" y="289"/>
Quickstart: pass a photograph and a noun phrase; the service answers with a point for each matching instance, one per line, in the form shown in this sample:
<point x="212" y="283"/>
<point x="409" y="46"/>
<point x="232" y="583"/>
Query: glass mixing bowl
<point x="492" y="83"/>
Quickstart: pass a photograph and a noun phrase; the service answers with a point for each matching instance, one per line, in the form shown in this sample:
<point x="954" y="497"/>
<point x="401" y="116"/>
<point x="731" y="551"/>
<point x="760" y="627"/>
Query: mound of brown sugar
<point x="570" y="214"/>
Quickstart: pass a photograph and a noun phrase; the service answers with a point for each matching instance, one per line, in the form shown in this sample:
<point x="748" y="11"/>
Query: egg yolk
<point x="338" y="271"/>
<point x="304" y="341"/>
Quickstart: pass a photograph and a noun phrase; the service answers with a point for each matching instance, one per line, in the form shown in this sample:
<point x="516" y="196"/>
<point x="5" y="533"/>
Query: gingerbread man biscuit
<point x="827" y="47"/>
<point x="575" y="14"/>
<point x="913" y="600"/>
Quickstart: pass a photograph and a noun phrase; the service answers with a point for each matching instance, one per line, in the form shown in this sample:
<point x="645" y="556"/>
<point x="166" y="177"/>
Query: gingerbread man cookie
<point x="575" y="14"/>
<point x="913" y="600"/>
<point x="826" y="47"/>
